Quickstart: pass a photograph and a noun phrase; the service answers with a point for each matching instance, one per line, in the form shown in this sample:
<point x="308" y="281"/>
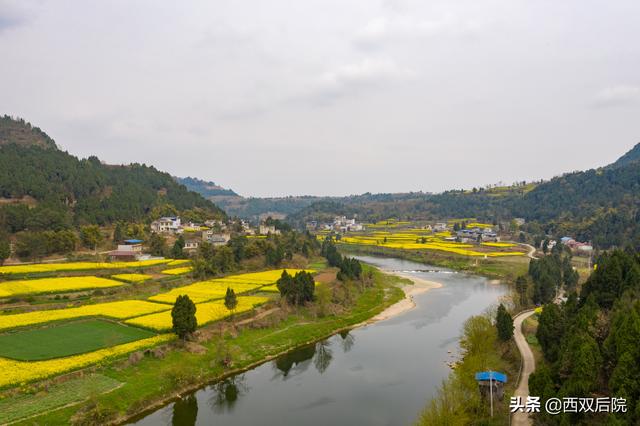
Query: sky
<point x="330" y="97"/>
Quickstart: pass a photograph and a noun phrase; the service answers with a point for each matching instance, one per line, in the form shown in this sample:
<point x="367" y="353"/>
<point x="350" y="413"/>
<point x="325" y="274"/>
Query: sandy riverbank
<point x="419" y="286"/>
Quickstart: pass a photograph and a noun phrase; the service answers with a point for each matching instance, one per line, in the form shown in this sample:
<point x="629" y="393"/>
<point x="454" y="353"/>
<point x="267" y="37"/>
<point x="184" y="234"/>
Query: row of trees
<point x="298" y="289"/>
<point x="350" y="268"/>
<point x="590" y="344"/>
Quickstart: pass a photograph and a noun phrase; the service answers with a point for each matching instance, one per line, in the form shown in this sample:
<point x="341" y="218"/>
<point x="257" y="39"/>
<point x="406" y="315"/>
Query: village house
<point x="268" y="229"/>
<point x="131" y="250"/>
<point x="440" y="227"/>
<point x="191" y="244"/>
<point x="576" y="245"/>
<point x="342" y="224"/>
<point x="166" y="225"/>
<point x="215" y="238"/>
<point x="477" y="235"/>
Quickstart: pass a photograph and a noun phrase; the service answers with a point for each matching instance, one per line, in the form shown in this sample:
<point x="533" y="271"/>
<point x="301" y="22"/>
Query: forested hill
<point x="68" y="191"/>
<point x="599" y="205"/>
<point x="633" y="156"/>
<point x="18" y="131"/>
<point x="204" y="188"/>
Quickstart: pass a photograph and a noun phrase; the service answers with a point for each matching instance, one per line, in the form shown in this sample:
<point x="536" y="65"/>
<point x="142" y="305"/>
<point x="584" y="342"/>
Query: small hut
<point x="491" y="383"/>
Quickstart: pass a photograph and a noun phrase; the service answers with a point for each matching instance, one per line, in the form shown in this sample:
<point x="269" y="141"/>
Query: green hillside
<point x="43" y="188"/>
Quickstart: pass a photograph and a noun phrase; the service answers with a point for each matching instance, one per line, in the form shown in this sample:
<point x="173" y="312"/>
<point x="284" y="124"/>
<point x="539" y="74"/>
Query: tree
<point x="118" y="232"/>
<point x="296" y="290"/>
<point x="91" y="236"/>
<point x="177" y="251"/>
<point x="5" y="249"/>
<point x="521" y="288"/>
<point x="157" y="245"/>
<point x="230" y="300"/>
<point x="183" y="316"/>
<point x="550" y="331"/>
<point x="504" y="324"/>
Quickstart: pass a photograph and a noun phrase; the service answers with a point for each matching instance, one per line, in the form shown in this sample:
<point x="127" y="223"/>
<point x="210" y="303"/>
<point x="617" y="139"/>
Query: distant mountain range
<point x="204" y="188"/>
<point x="599" y="205"/>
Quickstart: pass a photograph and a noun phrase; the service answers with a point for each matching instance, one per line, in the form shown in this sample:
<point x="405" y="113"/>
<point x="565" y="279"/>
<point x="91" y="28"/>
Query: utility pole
<point x="491" y="389"/>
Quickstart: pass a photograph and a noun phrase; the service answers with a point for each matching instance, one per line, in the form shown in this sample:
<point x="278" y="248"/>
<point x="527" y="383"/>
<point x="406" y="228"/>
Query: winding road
<point x="528" y="367"/>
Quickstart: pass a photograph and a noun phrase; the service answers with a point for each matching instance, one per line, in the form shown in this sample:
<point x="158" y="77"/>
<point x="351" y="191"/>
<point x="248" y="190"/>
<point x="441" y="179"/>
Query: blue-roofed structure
<point x="133" y="241"/>
<point x="485" y="376"/>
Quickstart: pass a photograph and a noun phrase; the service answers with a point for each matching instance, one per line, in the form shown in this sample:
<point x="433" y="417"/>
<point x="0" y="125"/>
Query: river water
<point x="380" y="374"/>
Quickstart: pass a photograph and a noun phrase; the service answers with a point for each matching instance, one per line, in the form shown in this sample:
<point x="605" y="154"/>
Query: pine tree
<point x="504" y="323"/>
<point x="230" y="300"/>
<point x="183" y="315"/>
<point x="5" y="249"/>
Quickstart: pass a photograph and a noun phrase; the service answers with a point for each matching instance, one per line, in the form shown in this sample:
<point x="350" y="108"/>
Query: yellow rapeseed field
<point x="407" y="241"/>
<point x="205" y="313"/>
<point x="177" y="271"/>
<point x="203" y="291"/>
<point x="178" y="262"/>
<point x="18" y="372"/>
<point x="472" y="225"/>
<point x="498" y="244"/>
<point x="54" y="285"/>
<point x="118" y="310"/>
<point x="132" y="278"/>
<point x="77" y="266"/>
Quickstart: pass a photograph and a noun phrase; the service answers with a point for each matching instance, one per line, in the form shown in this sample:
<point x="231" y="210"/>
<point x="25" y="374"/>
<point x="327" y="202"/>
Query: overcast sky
<point x="330" y="97"/>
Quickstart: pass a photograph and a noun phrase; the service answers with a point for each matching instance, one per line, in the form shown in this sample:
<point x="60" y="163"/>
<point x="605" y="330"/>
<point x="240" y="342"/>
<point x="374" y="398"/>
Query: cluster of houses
<point x="339" y="224"/>
<point x="214" y="232"/>
<point x="575" y="246"/>
<point x="477" y="235"/>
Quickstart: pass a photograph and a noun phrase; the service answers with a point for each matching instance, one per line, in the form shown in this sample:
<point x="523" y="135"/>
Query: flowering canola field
<point x="18" y="372"/>
<point x="203" y="291"/>
<point x="178" y="271"/>
<point x="79" y="266"/>
<point x="118" y="310"/>
<point x="205" y="313"/>
<point x="54" y="285"/>
<point x="132" y="278"/>
<point x="413" y="240"/>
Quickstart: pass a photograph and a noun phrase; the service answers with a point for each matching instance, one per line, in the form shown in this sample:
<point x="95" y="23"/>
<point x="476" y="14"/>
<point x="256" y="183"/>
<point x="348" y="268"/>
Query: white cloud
<point x="381" y="30"/>
<point x="618" y="96"/>
<point x="354" y="79"/>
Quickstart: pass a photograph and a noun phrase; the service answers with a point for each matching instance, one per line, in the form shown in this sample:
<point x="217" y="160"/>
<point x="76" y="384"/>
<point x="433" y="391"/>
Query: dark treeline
<point x="350" y="268"/>
<point x="590" y="343"/>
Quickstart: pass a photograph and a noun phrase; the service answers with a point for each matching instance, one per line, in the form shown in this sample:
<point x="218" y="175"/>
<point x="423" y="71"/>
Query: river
<point x="379" y="374"/>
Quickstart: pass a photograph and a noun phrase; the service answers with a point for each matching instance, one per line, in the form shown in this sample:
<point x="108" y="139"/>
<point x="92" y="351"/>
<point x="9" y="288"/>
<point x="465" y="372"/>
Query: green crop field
<point x="67" y="339"/>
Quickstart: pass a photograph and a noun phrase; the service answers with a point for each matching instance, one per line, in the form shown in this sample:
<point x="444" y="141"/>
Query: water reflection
<point x="298" y="358"/>
<point x="225" y="394"/>
<point x="185" y="411"/>
<point x="321" y="353"/>
<point x="324" y="355"/>
<point x="348" y="340"/>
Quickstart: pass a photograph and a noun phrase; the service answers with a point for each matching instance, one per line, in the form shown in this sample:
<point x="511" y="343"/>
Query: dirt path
<point x="532" y="251"/>
<point x="528" y="367"/>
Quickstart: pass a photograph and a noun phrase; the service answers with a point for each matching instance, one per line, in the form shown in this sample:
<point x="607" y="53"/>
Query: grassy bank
<point x="155" y="381"/>
<point x="458" y="401"/>
<point x="504" y="268"/>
